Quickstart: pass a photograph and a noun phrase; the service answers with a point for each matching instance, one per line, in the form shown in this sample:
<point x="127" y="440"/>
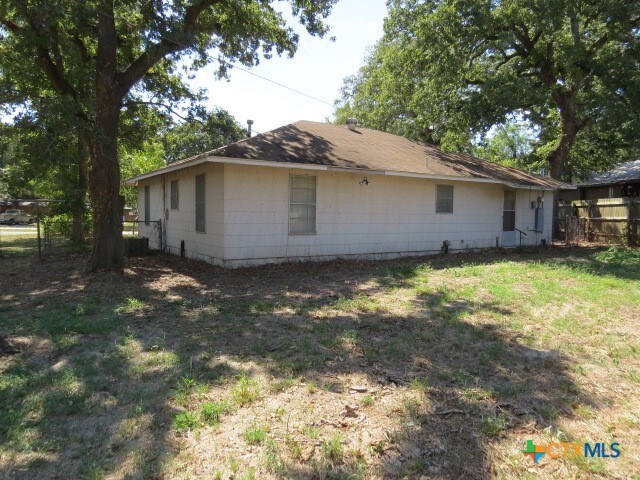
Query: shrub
<point x="620" y="256"/>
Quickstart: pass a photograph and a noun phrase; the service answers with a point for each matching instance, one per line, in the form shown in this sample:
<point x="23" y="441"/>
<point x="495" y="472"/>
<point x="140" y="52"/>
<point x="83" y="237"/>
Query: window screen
<point x="509" y="213"/>
<point x="174" y="194"/>
<point x="302" y="204"/>
<point x="147" y="205"/>
<point x="509" y="200"/>
<point x="509" y="221"/>
<point x="200" y="203"/>
<point x="444" y="198"/>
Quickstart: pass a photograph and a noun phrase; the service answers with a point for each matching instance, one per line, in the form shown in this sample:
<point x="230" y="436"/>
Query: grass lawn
<point x="18" y="240"/>
<point x="424" y="368"/>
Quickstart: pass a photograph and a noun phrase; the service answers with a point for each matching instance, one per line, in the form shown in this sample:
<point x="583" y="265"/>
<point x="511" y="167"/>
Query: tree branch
<point x="156" y="52"/>
<point x="55" y="46"/>
<point x="11" y="26"/>
<point x="166" y="107"/>
<point x="106" y="63"/>
<point x="82" y="48"/>
<point x="506" y="59"/>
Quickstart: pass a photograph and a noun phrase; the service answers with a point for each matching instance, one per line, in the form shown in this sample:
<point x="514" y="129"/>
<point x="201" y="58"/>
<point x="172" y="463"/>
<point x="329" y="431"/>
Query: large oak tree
<point x="100" y="56"/>
<point x="447" y="71"/>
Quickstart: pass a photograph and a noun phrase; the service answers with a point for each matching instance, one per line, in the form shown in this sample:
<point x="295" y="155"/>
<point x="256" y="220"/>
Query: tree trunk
<point x="104" y="178"/>
<point x="77" y="236"/>
<point x="558" y="158"/>
<point x="104" y="188"/>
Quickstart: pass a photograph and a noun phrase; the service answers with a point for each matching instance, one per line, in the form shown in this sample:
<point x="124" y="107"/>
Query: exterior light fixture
<point x="364" y="182"/>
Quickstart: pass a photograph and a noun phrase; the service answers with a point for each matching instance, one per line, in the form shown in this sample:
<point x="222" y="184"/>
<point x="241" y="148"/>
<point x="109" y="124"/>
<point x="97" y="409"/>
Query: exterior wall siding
<point x="180" y="225"/>
<point x="392" y="216"/>
<point x="247" y="216"/>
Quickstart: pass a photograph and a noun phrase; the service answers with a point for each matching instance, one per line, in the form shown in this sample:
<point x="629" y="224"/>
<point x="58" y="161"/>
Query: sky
<point x="317" y="69"/>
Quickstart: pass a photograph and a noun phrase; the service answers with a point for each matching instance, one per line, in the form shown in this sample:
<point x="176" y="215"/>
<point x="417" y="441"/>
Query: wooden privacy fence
<point x="608" y="219"/>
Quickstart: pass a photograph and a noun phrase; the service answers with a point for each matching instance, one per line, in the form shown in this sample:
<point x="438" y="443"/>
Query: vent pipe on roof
<point x="249" y="123"/>
<point x="352" y="123"/>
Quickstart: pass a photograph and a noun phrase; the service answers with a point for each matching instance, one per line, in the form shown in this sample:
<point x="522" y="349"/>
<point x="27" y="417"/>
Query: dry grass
<point x="435" y="368"/>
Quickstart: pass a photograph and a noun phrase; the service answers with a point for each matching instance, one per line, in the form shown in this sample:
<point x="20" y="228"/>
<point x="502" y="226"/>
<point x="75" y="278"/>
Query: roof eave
<point x="132" y="182"/>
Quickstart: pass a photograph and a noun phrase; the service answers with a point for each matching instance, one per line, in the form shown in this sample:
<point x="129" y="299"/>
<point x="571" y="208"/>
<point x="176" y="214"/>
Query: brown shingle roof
<point x="331" y="145"/>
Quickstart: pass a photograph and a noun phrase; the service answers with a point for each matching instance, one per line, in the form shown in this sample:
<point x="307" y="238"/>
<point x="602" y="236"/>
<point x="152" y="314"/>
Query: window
<point x="509" y="212"/>
<point x="200" y="202"/>
<point x="147" y="205"/>
<point x="444" y="198"/>
<point x="302" y="205"/>
<point x="174" y="194"/>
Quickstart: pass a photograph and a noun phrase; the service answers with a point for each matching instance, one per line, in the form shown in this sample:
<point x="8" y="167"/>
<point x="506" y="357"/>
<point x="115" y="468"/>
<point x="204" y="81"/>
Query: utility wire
<point x="275" y="82"/>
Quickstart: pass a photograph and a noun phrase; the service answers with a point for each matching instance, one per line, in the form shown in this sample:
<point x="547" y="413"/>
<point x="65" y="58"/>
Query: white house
<point x="316" y="191"/>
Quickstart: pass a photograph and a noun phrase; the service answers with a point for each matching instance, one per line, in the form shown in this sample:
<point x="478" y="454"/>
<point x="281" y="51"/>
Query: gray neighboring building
<point x="619" y="182"/>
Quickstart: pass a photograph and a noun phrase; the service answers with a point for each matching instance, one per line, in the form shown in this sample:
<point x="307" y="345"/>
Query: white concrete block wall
<point x="526" y="216"/>
<point x="392" y="216"/>
<point x="179" y="225"/>
<point x="247" y="215"/>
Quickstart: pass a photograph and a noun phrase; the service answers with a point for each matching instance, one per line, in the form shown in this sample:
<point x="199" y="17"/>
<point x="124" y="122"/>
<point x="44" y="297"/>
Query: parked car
<point x="16" y="216"/>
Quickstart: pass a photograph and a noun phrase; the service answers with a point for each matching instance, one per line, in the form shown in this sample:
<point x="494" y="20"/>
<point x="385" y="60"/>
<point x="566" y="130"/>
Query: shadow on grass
<point x="115" y="374"/>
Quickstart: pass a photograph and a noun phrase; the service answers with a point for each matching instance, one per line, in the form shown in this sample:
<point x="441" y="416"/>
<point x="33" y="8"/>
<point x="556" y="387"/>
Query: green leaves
<point x="448" y="71"/>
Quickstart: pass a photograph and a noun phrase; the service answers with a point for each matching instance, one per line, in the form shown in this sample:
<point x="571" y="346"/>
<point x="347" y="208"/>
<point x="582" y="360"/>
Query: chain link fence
<point x="46" y="236"/>
<point x="569" y="231"/>
<point x="575" y="231"/>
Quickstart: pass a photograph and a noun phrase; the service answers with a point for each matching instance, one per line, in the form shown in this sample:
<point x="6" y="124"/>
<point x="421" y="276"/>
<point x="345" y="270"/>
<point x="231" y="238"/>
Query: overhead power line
<point x="275" y="83"/>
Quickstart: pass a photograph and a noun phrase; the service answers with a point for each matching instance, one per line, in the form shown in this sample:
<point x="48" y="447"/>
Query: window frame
<point x="314" y="204"/>
<point x="202" y="203"/>
<point x="177" y="195"/>
<point x="439" y="201"/>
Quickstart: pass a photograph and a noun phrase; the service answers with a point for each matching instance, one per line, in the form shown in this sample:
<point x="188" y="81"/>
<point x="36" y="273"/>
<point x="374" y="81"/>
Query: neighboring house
<point x="35" y="207"/>
<point x="619" y="182"/>
<point x="320" y="191"/>
<point x="129" y="214"/>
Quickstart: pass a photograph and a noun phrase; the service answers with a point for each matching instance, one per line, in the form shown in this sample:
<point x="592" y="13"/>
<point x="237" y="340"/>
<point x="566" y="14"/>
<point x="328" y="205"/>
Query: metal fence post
<point x="630" y="238"/>
<point x="39" y="239"/>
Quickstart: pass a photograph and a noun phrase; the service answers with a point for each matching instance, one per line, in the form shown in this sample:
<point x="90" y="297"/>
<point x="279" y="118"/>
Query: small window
<point x="302" y="205"/>
<point x="147" y="205"/>
<point x="200" y="204"/>
<point x="174" y="194"/>
<point x="444" y="198"/>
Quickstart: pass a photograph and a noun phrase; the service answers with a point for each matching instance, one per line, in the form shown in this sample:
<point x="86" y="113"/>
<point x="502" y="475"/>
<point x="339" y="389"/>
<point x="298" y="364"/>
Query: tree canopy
<point x="200" y="132"/>
<point x="98" y="57"/>
<point x="447" y="71"/>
